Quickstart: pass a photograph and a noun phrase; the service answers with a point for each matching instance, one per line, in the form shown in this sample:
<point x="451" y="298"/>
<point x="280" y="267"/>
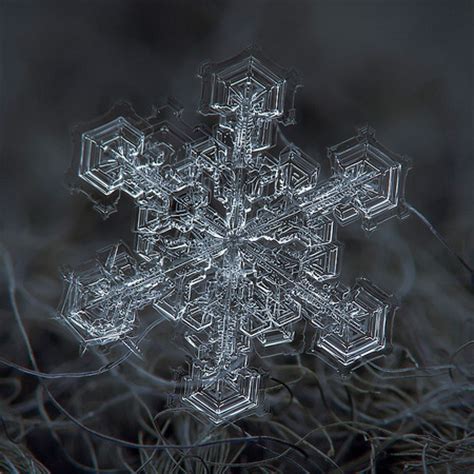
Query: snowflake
<point x="235" y="235"/>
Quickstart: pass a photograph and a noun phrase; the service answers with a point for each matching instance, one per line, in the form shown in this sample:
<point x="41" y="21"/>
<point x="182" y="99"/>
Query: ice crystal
<point x="235" y="235"/>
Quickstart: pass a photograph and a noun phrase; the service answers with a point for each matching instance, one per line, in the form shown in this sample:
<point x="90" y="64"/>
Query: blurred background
<point x="404" y="67"/>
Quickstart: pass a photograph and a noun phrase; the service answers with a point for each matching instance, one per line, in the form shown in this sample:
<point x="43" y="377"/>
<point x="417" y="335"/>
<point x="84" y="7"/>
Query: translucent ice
<point x="235" y="234"/>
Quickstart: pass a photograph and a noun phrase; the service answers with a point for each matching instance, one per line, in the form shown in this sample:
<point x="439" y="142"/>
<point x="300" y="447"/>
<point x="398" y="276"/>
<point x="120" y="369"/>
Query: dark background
<point x="404" y="67"/>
